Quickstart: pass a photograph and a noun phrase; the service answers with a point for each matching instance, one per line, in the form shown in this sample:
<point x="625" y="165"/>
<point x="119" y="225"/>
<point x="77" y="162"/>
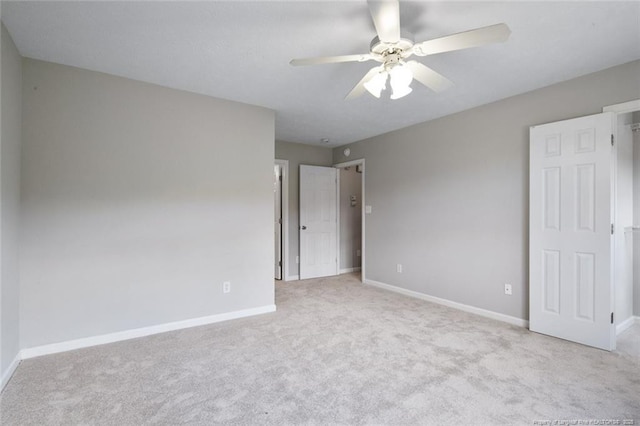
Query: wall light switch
<point x="399" y="268"/>
<point x="508" y="290"/>
<point x="367" y="209"/>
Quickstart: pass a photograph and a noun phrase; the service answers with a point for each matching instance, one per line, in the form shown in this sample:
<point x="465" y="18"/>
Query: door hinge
<point x="611" y="317"/>
<point x="280" y="178"/>
<point x="612" y="228"/>
<point x="279" y="262"/>
<point x="280" y="221"/>
<point x="612" y="140"/>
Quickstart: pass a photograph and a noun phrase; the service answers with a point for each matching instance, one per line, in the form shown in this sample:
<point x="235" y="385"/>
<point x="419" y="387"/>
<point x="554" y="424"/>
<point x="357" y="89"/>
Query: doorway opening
<point x="626" y="231"/>
<point x="351" y="218"/>
<point x="281" y="218"/>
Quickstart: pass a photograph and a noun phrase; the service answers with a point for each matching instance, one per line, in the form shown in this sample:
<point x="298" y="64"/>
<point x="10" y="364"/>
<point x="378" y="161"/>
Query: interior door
<point x="318" y="221"/>
<point x="570" y="227"/>
<point x="277" y="225"/>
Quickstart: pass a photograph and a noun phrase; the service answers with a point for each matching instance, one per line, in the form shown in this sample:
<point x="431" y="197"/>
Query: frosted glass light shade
<point x="400" y="92"/>
<point x="401" y="78"/>
<point x="377" y="84"/>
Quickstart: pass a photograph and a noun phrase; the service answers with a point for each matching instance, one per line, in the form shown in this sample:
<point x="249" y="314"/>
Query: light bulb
<point x="377" y="84"/>
<point x="401" y="78"/>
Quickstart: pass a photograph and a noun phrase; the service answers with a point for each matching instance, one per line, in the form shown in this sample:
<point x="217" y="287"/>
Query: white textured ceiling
<point x="240" y="51"/>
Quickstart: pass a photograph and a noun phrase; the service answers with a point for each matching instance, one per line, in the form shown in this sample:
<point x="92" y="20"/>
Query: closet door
<point x="570" y="230"/>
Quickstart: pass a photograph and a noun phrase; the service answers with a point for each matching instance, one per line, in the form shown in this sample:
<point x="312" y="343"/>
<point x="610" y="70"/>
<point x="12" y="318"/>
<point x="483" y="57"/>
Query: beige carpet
<point x="335" y="352"/>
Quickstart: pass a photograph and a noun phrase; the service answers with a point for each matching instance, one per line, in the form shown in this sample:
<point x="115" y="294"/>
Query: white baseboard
<point x="12" y="368"/>
<point x="140" y="332"/>
<point x="467" y="308"/>
<point x="349" y="270"/>
<point x="624" y="325"/>
<point x="292" y="278"/>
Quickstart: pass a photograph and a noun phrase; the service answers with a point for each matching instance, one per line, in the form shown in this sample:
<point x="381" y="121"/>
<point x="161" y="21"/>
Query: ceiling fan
<point x="392" y="47"/>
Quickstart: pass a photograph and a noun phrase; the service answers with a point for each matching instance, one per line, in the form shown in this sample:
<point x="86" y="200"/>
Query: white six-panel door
<point x="318" y="221"/>
<point x="570" y="257"/>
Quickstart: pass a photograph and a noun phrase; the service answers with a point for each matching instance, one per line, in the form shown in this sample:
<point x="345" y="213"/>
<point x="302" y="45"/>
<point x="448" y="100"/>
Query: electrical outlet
<point x="399" y="268"/>
<point x="508" y="290"/>
<point x="358" y="253"/>
<point x="226" y="287"/>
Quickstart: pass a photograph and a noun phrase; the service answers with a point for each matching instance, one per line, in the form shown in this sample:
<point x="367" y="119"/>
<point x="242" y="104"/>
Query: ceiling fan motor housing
<point x="381" y="50"/>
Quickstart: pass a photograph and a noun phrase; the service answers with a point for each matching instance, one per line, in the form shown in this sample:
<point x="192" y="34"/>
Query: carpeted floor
<point x="335" y="352"/>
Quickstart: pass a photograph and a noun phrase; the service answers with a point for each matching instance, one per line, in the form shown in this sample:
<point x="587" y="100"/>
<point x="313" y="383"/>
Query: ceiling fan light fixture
<point x="401" y="92"/>
<point x="377" y="84"/>
<point x="400" y="79"/>
<point x="391" y="46"/>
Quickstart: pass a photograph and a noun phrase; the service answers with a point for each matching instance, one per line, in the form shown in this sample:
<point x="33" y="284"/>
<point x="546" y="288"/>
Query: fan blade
<point x="359" y="89"/>
<point x="429" y="77"/>
<point x="331" y="60"/>
<point x="478" y="37"/>
<point x="386" y="19"/>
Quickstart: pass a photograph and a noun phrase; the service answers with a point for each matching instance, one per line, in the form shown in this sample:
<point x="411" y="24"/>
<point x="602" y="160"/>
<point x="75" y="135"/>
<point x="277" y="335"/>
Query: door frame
<point x="623" y="108"/>
<point x="351" y="163"/>
<point x="285" y="218"/>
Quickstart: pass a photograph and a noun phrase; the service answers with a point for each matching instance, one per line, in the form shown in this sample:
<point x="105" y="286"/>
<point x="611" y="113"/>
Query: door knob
<point x="303" y="227"/>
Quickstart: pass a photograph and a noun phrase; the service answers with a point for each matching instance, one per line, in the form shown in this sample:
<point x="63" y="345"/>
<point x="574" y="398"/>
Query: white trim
<point x="624" y="325"/>
<point x="349" y="270"/>
<point x="285" y="216"/>
<point x="349" y="163"/>
<point x="292" y="278"/>
<point x="140" y="332"/>
<point x="630" y="106"/>
<point x="467" y="308"/>
<point x="362" y="207"/>
<point x="9" y="373"/>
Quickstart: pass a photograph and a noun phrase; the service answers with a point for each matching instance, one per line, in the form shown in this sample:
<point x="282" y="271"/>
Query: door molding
<point x="285" y="218"/>
<point x="351" y="163"/>
<point x="624" y="107"/>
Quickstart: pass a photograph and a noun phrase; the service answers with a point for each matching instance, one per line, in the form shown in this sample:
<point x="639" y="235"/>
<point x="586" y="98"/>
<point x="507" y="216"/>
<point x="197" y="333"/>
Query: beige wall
<point x="450" y="196"/>
<point x="138" y="201"/>
<point x="11" y="124"/>
<point x="298" y="154"/>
